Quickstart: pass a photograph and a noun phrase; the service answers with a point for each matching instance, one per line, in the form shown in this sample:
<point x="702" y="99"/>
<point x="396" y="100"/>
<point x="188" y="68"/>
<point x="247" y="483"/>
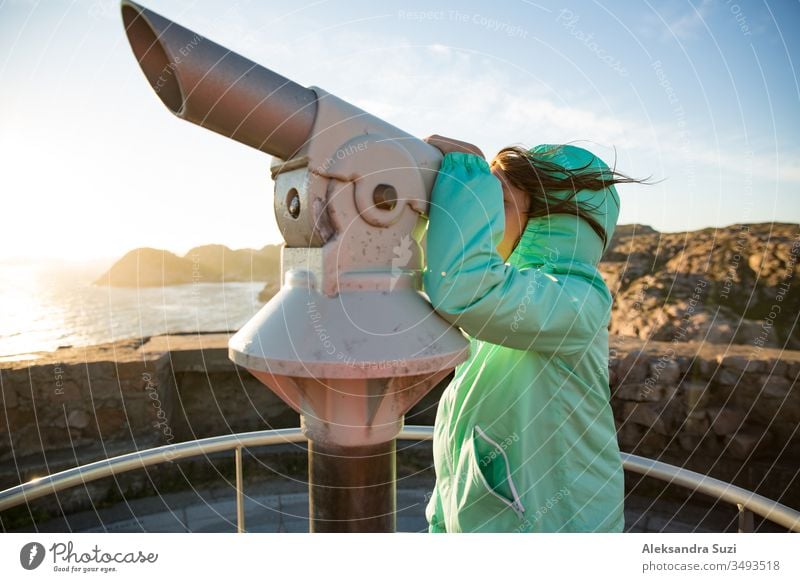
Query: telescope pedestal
<point x="351" y="489"/>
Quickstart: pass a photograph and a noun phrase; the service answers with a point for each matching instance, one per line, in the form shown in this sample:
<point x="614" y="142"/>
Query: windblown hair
<point x="538" y="174"/>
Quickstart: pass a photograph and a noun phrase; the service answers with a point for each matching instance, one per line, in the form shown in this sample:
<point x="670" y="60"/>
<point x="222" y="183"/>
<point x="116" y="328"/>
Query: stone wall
<point x="727" y="411"/>
<point x="82" y="404"/>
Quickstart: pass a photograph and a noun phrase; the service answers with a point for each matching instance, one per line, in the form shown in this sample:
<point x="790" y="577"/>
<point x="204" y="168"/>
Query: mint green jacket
<point x="524" y="439"/>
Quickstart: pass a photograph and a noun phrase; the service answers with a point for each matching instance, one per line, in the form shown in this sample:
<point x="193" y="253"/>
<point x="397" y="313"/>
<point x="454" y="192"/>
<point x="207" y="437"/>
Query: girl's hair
<point x="538" y="175"/>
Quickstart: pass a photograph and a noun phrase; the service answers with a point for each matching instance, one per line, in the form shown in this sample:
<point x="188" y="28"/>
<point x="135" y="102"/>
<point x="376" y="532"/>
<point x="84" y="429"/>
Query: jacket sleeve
<point x="470" y="285"/>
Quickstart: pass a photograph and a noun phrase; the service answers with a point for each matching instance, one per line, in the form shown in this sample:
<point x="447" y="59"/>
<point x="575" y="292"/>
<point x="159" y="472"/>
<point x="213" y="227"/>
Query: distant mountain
<point x="238" y="265"/>
<point x="147" y="267"/>
<point x="717" y="284"/>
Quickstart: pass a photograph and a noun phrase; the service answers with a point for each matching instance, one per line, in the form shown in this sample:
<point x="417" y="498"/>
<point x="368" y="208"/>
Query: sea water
<point x="47" y="305"/>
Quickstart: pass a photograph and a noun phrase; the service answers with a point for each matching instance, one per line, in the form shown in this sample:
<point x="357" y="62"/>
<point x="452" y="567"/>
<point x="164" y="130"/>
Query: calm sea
<point x="45" y="305"/>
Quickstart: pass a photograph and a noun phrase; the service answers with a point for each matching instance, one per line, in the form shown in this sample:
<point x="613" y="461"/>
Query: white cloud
<point x="683" y="23"/>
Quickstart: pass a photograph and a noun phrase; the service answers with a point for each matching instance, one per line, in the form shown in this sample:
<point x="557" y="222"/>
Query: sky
<point x="702" y="96"/>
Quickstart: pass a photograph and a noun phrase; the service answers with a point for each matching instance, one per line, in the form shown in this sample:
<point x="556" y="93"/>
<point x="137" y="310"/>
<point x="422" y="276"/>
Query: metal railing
<point x="748" y="503"/>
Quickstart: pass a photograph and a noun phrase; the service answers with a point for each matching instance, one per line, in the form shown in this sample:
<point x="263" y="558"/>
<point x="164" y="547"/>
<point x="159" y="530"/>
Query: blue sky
<point x="704" y="95"/>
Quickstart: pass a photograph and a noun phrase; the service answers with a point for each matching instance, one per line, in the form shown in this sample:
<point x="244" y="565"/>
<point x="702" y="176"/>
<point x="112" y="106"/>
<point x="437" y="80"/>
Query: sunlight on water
<point x="45" y="306"/>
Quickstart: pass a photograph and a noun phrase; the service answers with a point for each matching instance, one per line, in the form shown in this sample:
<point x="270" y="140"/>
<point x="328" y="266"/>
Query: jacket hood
<point x="561" y="240"/>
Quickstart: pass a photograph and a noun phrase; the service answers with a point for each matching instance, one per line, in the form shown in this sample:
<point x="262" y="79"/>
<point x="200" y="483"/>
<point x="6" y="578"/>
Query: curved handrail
<point x="36" y="488"/>
<point x="56" y="482"/>
<point x="733" y="494"/>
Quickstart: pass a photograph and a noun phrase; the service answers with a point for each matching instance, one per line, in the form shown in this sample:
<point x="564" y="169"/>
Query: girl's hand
<point x="448" y="145"/>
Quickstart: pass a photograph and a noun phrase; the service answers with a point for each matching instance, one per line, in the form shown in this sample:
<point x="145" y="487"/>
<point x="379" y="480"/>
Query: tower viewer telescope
<point x="349" y="342"/>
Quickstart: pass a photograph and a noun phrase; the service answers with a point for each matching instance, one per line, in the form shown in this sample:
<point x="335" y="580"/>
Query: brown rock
<point x="78" y="419"/>
<point x="633" y="367"/>
<point x="694" y="394"/>
<point x="725" y="421"/>
<point x="742" y="444"/>
<point x="16" y="420"/>
<point x="68" y="391"/>
<point x="755" y="262"/>
<point x="53" y="437"/>
<point x="10" y="397"/>
<point x="786" y="433"/>
<point x="696" y="423"/>
<point x="612" y="376"/>
<point x="42" y="380"/>
<point x="103" y="387"/>
<point x="741" y="363"/>
<point x="140" y="413"/>
<point x="764" y="411"/>
<point x="684" y="364"/>
<point x="269" y="291"/>
<point x="775" y="367"/>
<point x="645" y="415"/>
<point x="106" y="370"/>
<point x="689" y="441"/>
<point x="776" y="387"/>
<point x="793" y="370"/>
<point x="665" y="372"/>
<point x="707" y="367"/>
<point x="629" y="435"/>
<point x="639" y="392"/>
<point x="728" y="377"/>
<point x="110" y="421"/>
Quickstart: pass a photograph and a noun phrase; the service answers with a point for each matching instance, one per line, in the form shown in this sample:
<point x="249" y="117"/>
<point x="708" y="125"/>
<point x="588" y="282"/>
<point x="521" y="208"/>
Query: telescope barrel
<point x="211" y="86"/>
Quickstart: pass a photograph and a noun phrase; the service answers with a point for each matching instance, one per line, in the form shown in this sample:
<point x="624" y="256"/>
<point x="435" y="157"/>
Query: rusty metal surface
<point x="351" y="489"/>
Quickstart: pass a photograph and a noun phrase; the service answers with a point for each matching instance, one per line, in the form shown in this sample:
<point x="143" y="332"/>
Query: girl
<point x="524" y="438"/>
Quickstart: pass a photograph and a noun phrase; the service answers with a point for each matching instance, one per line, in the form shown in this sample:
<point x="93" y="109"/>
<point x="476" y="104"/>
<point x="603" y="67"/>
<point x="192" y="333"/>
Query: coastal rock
<point x="269" y="291"/>
<point x="148" y="267"/>
<point x="717" y="285"/>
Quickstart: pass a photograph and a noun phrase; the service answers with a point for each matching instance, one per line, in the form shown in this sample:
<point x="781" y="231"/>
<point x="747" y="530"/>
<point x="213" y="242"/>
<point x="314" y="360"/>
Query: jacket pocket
<point x="490" y="489"/>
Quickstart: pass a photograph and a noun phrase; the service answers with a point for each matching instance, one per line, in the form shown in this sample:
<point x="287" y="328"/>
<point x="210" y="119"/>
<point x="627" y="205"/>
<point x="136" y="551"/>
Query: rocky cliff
<point x="147" y="267"/>
<point x="739" y="284"/>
